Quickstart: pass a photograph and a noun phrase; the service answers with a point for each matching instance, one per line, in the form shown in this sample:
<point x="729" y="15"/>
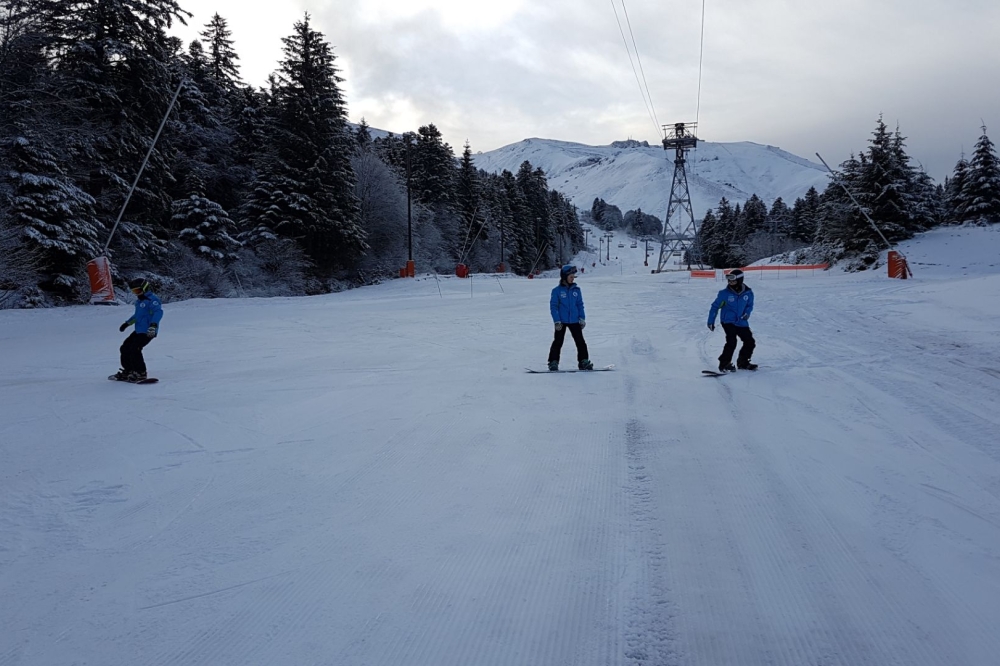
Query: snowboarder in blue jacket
<point x="148" y="312"/>
<point x="735" y="303"/>
<point x="566" y="306"/>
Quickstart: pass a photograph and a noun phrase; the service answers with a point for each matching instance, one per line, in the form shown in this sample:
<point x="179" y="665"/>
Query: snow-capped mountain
<point x="631" y="175"/>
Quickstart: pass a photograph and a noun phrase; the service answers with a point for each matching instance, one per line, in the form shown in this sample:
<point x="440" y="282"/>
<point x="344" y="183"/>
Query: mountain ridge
<point x="632" y="174"/>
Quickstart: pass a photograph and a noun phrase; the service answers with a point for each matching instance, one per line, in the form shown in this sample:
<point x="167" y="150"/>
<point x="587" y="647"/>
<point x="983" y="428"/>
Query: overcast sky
<point x="802" y="75"/>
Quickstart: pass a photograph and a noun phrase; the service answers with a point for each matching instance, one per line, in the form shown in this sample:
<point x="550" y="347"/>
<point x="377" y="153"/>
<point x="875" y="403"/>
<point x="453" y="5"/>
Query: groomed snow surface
<point x="371" y="477"/>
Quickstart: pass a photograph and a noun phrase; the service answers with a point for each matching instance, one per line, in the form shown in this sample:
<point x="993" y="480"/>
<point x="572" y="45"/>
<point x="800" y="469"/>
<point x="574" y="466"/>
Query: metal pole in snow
<point x="143" y="167"/>
<point x="865" y="213"/>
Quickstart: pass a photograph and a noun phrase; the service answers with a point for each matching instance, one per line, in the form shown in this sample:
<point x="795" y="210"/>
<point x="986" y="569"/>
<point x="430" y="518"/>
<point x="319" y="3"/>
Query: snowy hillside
<point x="640" y="177"/>
<point x="370" y="477"/>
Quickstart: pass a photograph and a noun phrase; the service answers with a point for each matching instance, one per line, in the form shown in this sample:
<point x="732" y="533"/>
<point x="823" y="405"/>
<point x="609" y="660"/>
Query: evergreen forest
<point x="246" y="192"/>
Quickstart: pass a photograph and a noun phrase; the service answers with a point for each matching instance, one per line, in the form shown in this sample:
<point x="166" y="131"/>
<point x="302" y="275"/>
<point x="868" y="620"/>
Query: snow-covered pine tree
<point x="205" y="225"/>
<point x="54" y="215"/>
<point x="718" y="245"/>
<point x="702" y="250"/>
<point x="381" y="195"/>
<point x="566" y="226"/>
<point x="433" y="168"/>
<point x="929" y="207"/>
<point x="205" y="137"/>
<point x="954" y="197"/>
<point x="520" y="241"/>
<point x="468" y="189"/>
<point x="981" y="190"/>
<point x="779" y="219"/>
<point x="737" y="238"/>
<point x="222" y="59"/>
<point x="305" y="187"/>
<point x="843" y="231"/>
<point x="113" y="62"/>
<point x="362" y="136"/>
<point x="770" y="238"/>
<point x="499" y="208"/>
<point x="539" y="224"/>
<point x="805" y="217"/>
<point x="919" y="192"/>
<point x="25" y="77"/>
<point x="248" y="119"/>
<point x="752" y="235"/>
<point x="884" y="186"/>
<point x="754" y="216"/>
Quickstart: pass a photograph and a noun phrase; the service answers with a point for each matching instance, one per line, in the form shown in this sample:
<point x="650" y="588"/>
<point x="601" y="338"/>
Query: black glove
<point x="151" y="331"/>
<point x="583" y="323"/>
<point x="123" y="327"/>
<point x="559" y="325"/>
<point x="746" y="317"/>
<point x="711" y="327"/>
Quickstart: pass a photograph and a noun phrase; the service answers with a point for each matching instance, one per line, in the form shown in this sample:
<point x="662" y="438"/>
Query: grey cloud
<point x="803" y="76"/>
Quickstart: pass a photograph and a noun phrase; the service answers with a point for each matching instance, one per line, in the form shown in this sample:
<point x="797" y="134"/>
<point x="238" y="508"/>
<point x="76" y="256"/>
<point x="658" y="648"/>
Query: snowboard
<point x="554" y="372"/>
<point x="716" y="373"/>
<point x="147" y="380"/>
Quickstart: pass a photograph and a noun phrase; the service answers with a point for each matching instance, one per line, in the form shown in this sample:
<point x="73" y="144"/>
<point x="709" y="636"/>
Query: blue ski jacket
<point x="735" y="307"/>
<point x="147" y="311"/>
<point x="566" y="304"/>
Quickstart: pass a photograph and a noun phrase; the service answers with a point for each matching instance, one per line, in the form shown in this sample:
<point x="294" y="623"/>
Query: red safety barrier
<point x="461" y="270"/>
<point x="703" y="274"/>
<point x="101" y="288"/>
<point x="897" y="265"/>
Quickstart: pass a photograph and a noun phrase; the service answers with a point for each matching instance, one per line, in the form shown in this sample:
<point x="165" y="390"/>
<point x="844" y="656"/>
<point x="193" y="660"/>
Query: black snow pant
<point x="131" y="350"/>
<point x="746" y="351"/>
<point x="557" y="343"/>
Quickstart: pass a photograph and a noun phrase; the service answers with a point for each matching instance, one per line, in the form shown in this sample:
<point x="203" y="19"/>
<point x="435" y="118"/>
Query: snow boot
<point x="136" y="376"/>
<point x="727" y="367"/>
<point x="585" y="364"/>
<point x="553" y="366"/>
<point x="747" y="366"/>
<point x="121" y="375"/>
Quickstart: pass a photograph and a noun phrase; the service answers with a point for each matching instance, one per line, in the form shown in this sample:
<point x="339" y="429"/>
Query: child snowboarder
<point x="736" y="303"/>
<point x="148" y="313"/>
<point x="566" y="306"/>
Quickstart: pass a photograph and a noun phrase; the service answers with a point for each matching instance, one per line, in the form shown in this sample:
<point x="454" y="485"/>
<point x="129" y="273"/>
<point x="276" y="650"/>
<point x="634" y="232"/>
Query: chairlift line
<point x="701" y="59"/>
<point x="647" y="98"/>
<point x="635" y="47"/>
<point x="629" y="52"/>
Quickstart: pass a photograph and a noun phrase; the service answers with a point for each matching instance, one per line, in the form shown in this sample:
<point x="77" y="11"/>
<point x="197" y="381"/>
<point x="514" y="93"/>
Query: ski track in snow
<point x="371" y="478"/>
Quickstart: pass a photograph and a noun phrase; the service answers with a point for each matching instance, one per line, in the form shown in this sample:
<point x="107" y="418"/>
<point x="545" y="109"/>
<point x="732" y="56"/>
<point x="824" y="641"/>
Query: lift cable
<point x="701" y="59"/>
<point x="652" y="116"/>
<point x="639" y="60"/>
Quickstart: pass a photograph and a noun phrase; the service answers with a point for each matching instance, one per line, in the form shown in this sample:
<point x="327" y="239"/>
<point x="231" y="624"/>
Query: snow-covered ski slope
<point x="371" y="477"/>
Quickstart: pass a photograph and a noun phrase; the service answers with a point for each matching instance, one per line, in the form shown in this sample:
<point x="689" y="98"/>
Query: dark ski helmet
<point x="139" y="286"/>
<point x="568" y="269"/>
<point x="735" y="276"/>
